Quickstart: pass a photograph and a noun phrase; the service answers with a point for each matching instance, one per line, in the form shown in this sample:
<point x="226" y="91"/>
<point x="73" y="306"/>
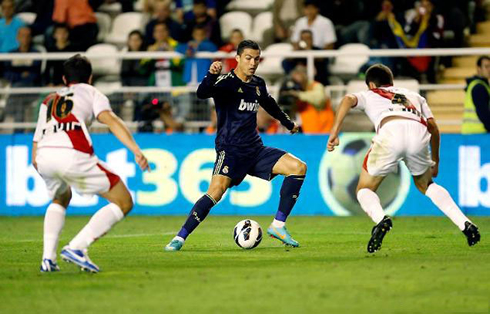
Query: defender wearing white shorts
<point x="64" y="157"/>
<point x="405" y="129"/>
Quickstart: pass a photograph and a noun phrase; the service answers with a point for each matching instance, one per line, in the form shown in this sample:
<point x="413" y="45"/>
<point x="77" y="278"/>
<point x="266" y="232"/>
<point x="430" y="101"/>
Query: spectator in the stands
<point x="311" y="104"/>
<point x="476" y="117"/>
<point x="167" y="72"/>
<point x="135" y="72"/>
<point x="44" y="19"/>
<point x="322" y="28"/>
<point x="284" y="15"/>
<point x="382" y="36"/>
<point x="457" y="18"/>
<point x="423" y="29"/>
<point x="321" y="65"/>
<point x="9" y="26"/>
<point x="185" y="9"/>
<point x="348" y="18"/>
<point x="236" y="38"/>
<point x="202" y="19"/>
<point x="23" y="73"/>
<point x="53" y="74"/>
<point x="196" y="69"/>
<point x="81" y="19"/>
<point x="162" y="15"/>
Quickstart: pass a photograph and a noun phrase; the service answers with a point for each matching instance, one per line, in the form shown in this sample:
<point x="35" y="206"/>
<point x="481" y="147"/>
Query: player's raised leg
<point x="120" y="204"/>
<point x="370" y="203"/>
<point x="218" y="186"/>
<point x="294" y="172"/>
<point x="443" y="200"/>
<point x="53" y="224"/>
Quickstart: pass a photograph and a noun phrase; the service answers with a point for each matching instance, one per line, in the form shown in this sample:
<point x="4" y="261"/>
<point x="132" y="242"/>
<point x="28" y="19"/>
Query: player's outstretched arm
<point x="347" y="103"/>
<point x="206" y="89"/>
<point x="119" y="129"/>
<point x="270" y="105"/>
<point x="435" y="143"/>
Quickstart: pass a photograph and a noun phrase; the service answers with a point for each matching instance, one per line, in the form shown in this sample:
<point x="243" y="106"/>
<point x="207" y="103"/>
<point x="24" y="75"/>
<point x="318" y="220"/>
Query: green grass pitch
<point x="425" y="266"/>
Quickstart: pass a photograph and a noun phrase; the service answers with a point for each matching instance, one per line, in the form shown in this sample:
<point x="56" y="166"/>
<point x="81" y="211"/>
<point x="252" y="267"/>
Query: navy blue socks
<point x="289" y="194"/>
<point x="198" y="213"/>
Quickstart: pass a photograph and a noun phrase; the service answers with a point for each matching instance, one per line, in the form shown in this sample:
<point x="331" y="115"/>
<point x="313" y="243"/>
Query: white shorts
<point x="398" y="140"/>
<point x="62" y="168"/>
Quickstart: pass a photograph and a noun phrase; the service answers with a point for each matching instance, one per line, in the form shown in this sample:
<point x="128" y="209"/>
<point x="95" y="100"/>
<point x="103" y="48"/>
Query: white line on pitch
<point x="136" y="235"/>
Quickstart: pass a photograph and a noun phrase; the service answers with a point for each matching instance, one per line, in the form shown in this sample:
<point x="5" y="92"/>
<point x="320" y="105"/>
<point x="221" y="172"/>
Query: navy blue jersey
<point x="237" y="103"/>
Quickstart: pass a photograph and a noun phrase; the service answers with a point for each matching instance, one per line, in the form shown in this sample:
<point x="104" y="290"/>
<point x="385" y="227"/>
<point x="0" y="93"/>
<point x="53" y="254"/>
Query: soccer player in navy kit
<point x="240" y="151"/>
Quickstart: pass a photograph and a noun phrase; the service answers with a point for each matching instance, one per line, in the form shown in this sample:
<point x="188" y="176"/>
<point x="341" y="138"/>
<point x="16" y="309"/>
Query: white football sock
<point x="441" y="198"/>
<point x="278" y="224"/>
<point x="53" y="223"/>
<point x="179" y="239"/>
<point x="100" y="223"/>
<point x="371" y="204"/>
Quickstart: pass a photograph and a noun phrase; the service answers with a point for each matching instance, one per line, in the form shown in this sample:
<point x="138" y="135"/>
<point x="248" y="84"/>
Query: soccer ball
<point x="345" y="165"/>
<point x="247" y="234"/>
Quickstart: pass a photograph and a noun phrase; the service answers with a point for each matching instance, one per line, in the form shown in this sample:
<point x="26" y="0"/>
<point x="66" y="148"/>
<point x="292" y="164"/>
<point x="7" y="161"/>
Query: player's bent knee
<point x="63" y="199"/>
<point x="216" y="192"/>
<point x="301" y="168"/>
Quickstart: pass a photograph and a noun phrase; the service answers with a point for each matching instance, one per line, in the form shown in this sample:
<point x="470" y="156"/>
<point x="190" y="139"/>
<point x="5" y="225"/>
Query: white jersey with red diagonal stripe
<point x="392" y="101"/>
<point x="64" y="117"/>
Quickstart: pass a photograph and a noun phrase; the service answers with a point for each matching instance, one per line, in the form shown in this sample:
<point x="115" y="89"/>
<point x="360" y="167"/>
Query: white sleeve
<point x="426" y="112"/>
<point x="330" y="36"/>
<point x="101" y="103"/>
<point x="361" y="100"/>
<point x="296" y="32"/>
<point x="41" y="121"/>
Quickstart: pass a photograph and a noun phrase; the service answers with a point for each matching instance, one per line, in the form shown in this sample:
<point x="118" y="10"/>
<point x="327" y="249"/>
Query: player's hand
<point x="333" y="141"/>
<point x="141" y="161"/>
<point x="216" y="67"/>
<point x="435" y="170"/>
<point x="295" y="129"/>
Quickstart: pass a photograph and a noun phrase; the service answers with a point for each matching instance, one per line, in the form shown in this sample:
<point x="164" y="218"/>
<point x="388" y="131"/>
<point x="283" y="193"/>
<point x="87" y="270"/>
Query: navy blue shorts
<point x="236" y="164"/>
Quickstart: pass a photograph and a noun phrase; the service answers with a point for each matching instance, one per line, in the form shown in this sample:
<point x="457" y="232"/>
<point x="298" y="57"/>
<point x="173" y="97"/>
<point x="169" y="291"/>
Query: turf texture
<point x="424" y="266"/>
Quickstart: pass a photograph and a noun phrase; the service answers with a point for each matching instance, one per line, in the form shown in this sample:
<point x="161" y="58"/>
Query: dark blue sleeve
<point x="481" y="99"/>
<point x="270" y="105"/>
<point x="207" y="88"/>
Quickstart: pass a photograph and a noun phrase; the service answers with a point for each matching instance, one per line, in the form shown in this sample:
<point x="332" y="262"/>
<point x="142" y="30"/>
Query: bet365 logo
<point x="473" y="176"/>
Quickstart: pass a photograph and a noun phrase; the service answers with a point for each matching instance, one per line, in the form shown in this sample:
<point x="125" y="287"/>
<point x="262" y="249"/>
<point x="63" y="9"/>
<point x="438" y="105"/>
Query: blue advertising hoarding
<point x="182" y="166"/>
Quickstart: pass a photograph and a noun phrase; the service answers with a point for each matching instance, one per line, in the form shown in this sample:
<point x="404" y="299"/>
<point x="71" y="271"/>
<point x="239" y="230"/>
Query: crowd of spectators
<point x="190" y="26"/>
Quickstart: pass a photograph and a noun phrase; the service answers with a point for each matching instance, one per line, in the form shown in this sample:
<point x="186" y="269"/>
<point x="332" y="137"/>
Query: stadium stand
<point x="123" y="24"/>
<point x="104" y="67"/>
<point x="104" y="23"/>
<point x="349" y="65"/>
<point x="254" y="18"/>
<point x="235" y="19"/>
<point x="261" y="23"/>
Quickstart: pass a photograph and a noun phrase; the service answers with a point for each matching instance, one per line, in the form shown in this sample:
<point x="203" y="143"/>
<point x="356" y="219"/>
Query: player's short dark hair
<point x="247" y="44"/>
<point x="61" y="25"/>
<point x="77" y="69"/>
<point x="380" y="75"/>
<point x="311" y="2"/>
<point x="201" y="2"/>
<point x="480" y="60"/>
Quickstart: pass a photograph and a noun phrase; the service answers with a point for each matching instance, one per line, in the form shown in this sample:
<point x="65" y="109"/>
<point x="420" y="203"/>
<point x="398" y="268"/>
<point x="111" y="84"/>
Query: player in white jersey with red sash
<point x="405" y="128"/>
<point x="63" y="155"/>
